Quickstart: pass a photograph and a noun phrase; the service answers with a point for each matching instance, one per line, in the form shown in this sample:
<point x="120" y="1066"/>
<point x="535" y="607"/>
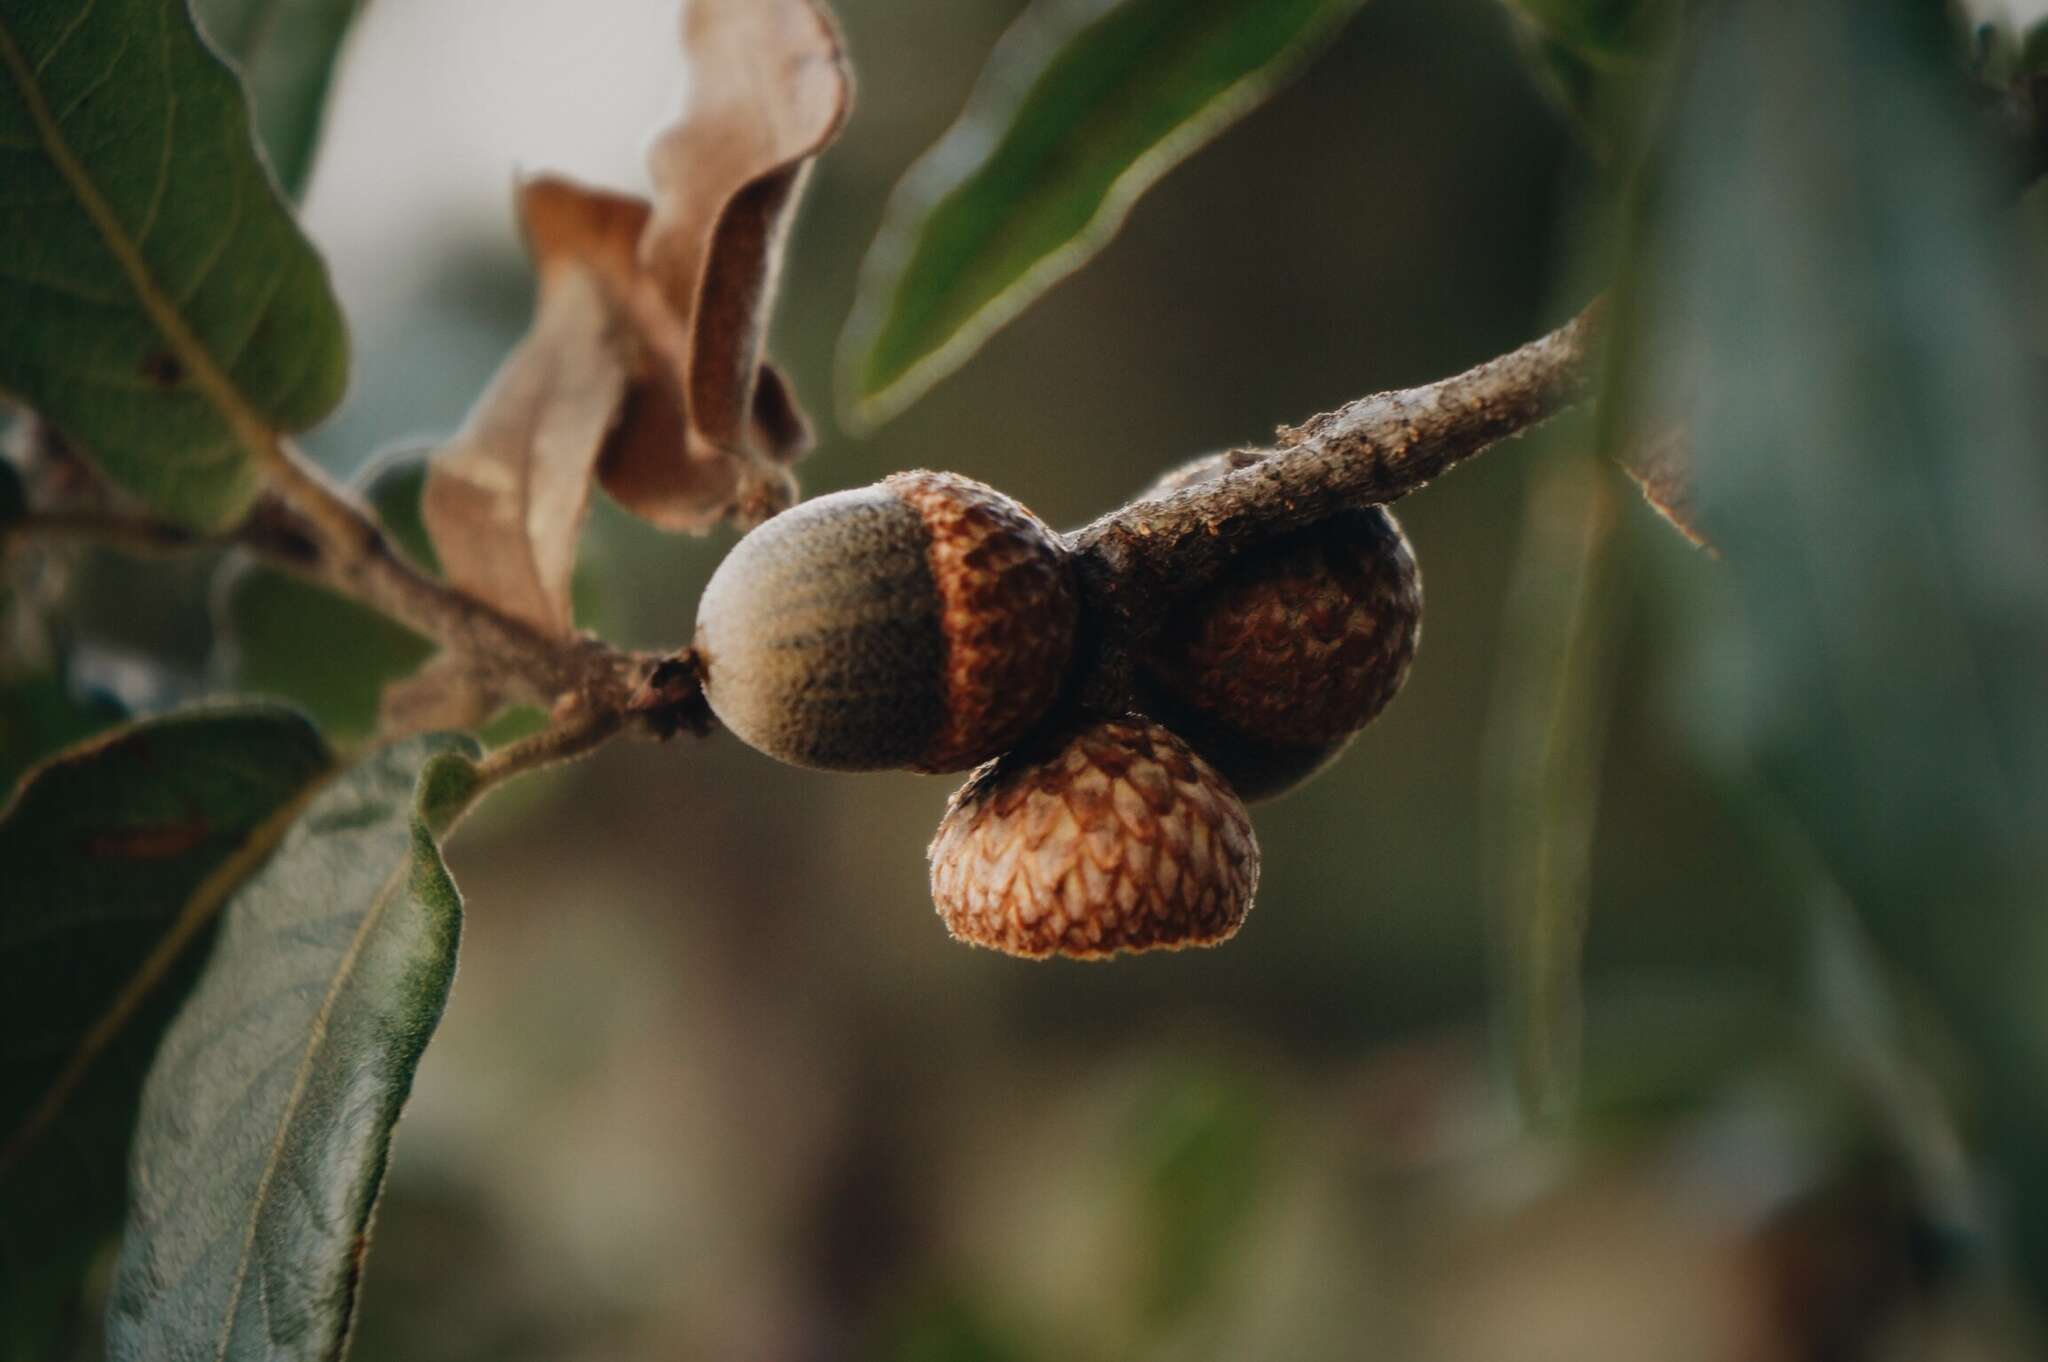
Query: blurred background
<point x="715" y="1083"/>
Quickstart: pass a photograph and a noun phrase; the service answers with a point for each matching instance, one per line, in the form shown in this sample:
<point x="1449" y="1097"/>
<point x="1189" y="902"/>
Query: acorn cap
<point x="1116" y="837"/>
<point x="1257" y="768"/>
<point x="1305" y="639"/>
<point x="924" y="622"/>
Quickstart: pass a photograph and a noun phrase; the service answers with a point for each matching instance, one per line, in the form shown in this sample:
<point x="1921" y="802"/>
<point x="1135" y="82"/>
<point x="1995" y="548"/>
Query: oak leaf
<point x="644" y="366"/>
<point x="507" y="498"/>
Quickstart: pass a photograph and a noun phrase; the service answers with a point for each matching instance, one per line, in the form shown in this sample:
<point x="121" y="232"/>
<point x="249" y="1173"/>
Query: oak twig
<point x="1130" y="562"/>
<point x="512" y="657"/>
<point x="314" y="529"/>
<point x="1368" y="452"/>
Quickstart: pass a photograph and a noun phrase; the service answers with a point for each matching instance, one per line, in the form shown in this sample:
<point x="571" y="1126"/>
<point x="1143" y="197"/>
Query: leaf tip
<point x="448" y="784"/>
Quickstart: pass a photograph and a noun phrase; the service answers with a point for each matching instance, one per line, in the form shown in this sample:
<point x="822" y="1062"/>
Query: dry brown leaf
<point x="1662" y="469"/>
<point x="769" y="89"/>
<point x="654" y="456"/>
<point x="643" y="366"/>
<point x="506" y="500"/>
<point x="447" y="693"/>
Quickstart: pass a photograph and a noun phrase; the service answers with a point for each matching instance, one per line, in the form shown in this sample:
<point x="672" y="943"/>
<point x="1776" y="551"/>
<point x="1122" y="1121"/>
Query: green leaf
<point x="944" y="1326"/>
<point x="1083" y="105"/>
<point x="285" y="50"/>
<point x="2032" y="216"/>
<point x="267" y="1117"/>
<point x="1546" y="734"/>
<point x="157" y="303"/>
<point x="1833" y="316"/>
<point x="1599" y="61"/>
<point x="1598" y="28"/>
<point x="394" y="483"/>
<point x="299" y="641"/>
<point x="40" y="713"/>
<point x="118" y="855"/>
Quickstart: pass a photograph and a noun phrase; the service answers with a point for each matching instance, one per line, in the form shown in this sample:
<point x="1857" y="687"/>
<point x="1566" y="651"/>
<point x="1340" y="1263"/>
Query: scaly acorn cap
<point x="1116" y="837"/>
<point x="925" y="622"/>
<point x="1302" y="642"/>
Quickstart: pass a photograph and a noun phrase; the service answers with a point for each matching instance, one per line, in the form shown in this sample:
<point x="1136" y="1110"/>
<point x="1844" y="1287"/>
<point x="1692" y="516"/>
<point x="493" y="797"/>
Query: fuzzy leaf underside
<point x="267" y="1118"/>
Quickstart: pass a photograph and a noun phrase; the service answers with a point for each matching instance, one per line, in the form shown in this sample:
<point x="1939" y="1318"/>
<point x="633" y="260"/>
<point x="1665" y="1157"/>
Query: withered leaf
<point x="769" y="89"/>
<point x="506" y="500"/>
<point x="449" y="694"/>
<point x="644" y="363"/>
<point x="1661" y="466"/>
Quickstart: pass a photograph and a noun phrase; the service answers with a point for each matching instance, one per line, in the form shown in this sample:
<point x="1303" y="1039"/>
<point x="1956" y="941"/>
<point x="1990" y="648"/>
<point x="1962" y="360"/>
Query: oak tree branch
<point x="1375" y="450"/>
<point x="1131" y="563"/>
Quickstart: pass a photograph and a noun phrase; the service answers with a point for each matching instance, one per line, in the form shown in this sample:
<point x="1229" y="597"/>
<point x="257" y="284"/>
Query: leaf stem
<point x="565" y="741"/>
<point x="136" y="534"/>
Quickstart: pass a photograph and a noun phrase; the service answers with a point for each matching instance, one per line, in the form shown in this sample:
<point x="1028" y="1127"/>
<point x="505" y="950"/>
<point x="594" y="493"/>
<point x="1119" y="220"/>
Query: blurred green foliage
<point x="1079" y="109"/>
<point x="1833" y="317"/>
<point x="285" y="54"/>
<point x="716" y="1083"/>
<point x="41" y="712"/>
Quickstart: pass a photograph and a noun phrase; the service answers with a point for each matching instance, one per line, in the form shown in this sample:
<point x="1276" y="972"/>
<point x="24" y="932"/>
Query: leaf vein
<point x="250" y="427"/>
<point x="77" y="21"/>
<point x="94" y="86"/>
<point x="163" y="166"/>
<point x="316" y="1039"/>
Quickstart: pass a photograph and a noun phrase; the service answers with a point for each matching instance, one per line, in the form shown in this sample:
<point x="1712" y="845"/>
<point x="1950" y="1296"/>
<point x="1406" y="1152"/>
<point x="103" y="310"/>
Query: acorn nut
<point x="925" y="622"/>
<point x="1114" y="836"/>
<point x="1302" y="642"/>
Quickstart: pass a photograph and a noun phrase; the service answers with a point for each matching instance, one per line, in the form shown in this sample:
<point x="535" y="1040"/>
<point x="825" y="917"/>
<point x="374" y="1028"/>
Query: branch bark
<point x="1369" y="452"/>
<point x="513" y="658"/>
<point x="311" y="527"/>
<point x="1131" y="563"/>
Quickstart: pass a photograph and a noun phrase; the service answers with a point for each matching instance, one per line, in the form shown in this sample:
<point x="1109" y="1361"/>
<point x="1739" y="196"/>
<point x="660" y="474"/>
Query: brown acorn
<point x="1113" y="837"/>
<point x="1270" y="671"/>
<point x="925" y="622"/>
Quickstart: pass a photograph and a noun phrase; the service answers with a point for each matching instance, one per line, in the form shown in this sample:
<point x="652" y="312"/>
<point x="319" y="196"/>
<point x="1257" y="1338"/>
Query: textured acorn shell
<point x="1116" y="837"/>
<point x="1257" y="769"/>
<point x="926" y="622"/>
<point x="1304" y="640"/>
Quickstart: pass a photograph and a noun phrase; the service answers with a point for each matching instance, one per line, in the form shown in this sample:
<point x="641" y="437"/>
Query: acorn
<point x="1271" y="670"/>
<point x="1111" y="837"/>
<point x="925" y="622"/>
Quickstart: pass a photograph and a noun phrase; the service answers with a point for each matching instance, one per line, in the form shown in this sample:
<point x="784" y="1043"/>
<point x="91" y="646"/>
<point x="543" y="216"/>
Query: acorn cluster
<point x="931" y="623"/>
